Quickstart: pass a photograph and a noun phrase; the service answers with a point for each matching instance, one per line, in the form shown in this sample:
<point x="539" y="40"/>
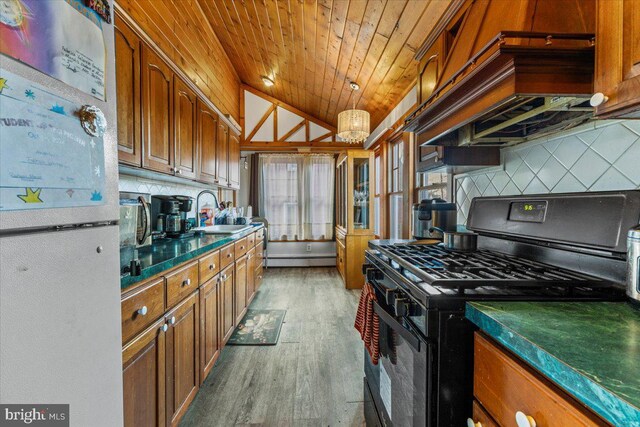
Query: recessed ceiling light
<point x="267" y="81"/>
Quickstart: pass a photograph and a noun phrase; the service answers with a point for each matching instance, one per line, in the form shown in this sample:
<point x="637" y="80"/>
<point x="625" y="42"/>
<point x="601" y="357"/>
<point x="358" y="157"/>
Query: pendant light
<point x="353" y="125"/>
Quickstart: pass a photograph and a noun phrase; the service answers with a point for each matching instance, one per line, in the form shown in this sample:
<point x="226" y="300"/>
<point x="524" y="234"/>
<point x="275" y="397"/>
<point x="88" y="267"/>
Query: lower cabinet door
<point x="251" y="266"/>
<point x="226" y="304"/>
<point x="183" y="357"/>
<point x="257" y="274"/>
<point x="240" y="288"/>
<point x="143" y="374"/>
<point x="209" y="329"/>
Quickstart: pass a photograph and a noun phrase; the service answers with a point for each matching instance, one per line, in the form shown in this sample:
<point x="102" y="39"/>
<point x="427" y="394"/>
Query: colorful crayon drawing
<point x="61" y="38"/>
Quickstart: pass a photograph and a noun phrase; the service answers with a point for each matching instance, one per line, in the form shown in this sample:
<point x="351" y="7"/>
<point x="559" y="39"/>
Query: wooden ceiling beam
<point x="263" y="119"/>
<point x="295" y="129"/>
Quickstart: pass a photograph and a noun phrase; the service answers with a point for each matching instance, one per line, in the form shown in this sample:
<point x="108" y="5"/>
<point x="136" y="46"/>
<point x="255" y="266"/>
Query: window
<point x="376" y="196"/>
<point x="432" y="185"/>
<point x="396" y="167"/>
<point x="296" y="196"/>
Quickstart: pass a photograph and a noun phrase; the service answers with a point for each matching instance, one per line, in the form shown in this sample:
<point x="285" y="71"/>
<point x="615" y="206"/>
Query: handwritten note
<point x="46" y="158"/>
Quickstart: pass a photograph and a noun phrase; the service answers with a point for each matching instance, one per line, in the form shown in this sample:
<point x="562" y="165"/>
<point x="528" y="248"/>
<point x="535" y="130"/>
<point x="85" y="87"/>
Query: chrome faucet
<point x="217" y="206"/>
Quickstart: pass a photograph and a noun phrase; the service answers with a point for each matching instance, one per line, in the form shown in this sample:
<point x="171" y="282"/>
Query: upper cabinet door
<point x="157" y="102"/>
<point x="185" y="134"/>
<point x="207" y="131"/>
<point x="223" y="153"/>
<point x="618" y="56"/>
<point x="234" y="160"/>
<point x="127" y="47"/>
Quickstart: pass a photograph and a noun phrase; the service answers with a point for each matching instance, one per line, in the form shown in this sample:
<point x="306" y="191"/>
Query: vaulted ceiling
<point x="313" y="49"/>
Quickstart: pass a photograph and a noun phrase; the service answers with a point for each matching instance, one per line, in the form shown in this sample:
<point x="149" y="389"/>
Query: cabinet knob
<point x="229" y="255"/>
<point x="164" y="328"/>
<point x="471" y="423"/>
<point x="143" y="311"/>
<point x="186" y="282"/>
<point x="212" y="266"/>
<point x="598" y="99"/>
<point x="241" y="248"/>
<point x="224" y="277"/>
<point x="523" y="420"/>
<point x="172" y="320"/>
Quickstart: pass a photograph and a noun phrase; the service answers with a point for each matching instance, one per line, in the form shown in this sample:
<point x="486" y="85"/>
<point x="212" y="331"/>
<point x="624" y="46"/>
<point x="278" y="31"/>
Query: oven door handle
<point x="409" y="336"/>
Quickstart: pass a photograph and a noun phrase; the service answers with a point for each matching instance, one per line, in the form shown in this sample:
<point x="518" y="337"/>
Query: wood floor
<point x="312" y="377"/>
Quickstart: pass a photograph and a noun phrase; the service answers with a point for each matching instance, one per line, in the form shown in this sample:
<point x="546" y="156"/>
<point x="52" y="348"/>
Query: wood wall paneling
<point x="313" y="49"/>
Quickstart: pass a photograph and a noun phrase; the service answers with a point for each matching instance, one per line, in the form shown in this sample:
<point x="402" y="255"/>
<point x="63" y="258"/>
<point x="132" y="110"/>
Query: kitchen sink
<point x="222" y="229"/>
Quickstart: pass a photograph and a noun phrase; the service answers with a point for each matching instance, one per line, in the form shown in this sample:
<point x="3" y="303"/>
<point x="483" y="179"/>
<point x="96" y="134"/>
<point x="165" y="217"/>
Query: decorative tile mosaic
<point x="598" y="156"/>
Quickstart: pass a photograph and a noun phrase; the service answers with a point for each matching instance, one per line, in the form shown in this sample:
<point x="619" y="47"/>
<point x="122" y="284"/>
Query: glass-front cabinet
<point x="354" y="213"/>
<point x="354" y="182"/>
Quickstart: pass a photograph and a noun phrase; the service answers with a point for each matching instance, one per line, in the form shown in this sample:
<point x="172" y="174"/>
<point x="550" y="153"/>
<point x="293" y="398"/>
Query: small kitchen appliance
<point x="135" y="219"/>
<point x="529" y="248"/>
<point x="432" y="217"/>
<point x="633" y="264"/>
<point x="171" y="213"/>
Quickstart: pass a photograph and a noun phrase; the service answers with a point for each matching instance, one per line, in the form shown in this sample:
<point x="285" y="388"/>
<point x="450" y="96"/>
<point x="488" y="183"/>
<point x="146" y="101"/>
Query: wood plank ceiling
<point x="313" y="49"/>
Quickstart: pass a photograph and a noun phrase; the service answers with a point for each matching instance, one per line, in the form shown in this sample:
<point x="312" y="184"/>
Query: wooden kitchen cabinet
<point x="618" y="57"/>
<point x="354" y="213"/>
<point x="234" y="160"/>
<point x="185" y="129"/>
<point x="141" y="306"/>
<point x="227" y="320"/>
<point x="207" y="134"/>
<point x="127" y="52"/>
<point x="182" y="357"/>
<point x="251" y="279"/>
<point x="210" y="342"/>
<point x="222" y="158"/>
<point x="143" y="376"/>
<point x="240" y="289"/>
<point x="157" y="109"/>
<point x="503" y="385"/>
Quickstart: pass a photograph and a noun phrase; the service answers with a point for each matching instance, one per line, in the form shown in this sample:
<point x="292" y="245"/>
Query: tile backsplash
<point x="597" y="156"/>
<point x="145" y="185"/>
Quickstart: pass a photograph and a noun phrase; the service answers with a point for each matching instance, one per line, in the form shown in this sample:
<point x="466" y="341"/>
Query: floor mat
<point x="258" y="327"/>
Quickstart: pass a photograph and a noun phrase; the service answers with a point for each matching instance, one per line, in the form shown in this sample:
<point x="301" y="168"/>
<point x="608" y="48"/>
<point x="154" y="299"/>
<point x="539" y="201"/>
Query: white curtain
<point x="296" y="195"/>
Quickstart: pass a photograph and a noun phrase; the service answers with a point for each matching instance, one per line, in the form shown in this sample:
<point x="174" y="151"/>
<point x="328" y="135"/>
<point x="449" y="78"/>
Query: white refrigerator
<point x="60" y="333"/>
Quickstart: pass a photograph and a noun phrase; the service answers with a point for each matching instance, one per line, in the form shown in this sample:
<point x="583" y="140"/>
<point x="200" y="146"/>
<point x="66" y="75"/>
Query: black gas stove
<point x="562" y="247"/>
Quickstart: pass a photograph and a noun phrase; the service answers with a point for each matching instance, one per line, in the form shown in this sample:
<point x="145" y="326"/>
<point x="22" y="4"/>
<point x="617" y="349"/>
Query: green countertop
<point x="168" y="253"/>
<point x="590" y="349"/>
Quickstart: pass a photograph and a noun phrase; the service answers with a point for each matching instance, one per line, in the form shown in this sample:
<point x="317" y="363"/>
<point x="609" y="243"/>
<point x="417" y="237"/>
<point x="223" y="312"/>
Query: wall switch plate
<point x="308" y="248"/>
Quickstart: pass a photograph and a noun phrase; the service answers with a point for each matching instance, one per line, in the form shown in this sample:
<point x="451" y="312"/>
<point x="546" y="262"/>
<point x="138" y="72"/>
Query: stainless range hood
<point x="518" y="84"/>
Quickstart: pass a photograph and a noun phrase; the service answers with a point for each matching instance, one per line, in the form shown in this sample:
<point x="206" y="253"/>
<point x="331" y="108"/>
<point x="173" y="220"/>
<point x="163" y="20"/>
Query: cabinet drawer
<point x="226" y="256"/>
<point x="241" y="247"/>
<point x="209" y="265"/>
<point x="260" y="235"/>
<point x="181" y="283"/>
<point x="260" y="250"/>
<point x="141" y="308"/>
<point x="504" y="386"/>
<point x="481" y="416"/>
<point x="251" y="240"/>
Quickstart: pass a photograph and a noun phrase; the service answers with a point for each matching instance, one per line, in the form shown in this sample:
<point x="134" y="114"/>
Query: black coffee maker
<point x="170" y="215"/>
